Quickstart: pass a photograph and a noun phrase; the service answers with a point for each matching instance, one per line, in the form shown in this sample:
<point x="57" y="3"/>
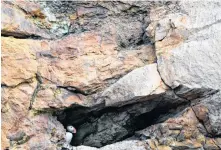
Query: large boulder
<point x="188" y="56"/>
<point x="187" y="46"/>
<point x="142" y="83"/>
<point x="89" y="62"/>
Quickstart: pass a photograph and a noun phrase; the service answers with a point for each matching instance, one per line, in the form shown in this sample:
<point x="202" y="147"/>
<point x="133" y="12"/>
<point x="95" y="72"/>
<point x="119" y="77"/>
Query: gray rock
<point x="124" y="145"/>
<point x="143" y="82"/>
<point x="129" y="31"/>
<point x="189" y="63"/>
<point x="194" y="62"/>
<point x="212" y="117"/>
<point x="84" y="148"/>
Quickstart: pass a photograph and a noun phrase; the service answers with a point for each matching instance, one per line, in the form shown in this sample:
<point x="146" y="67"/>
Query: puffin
<point x="69" y="135"/>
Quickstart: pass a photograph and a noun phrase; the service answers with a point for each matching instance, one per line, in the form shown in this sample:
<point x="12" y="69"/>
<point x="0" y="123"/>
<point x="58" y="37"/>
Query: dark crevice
<point x="216" y="144"/>
<point x="38" y="78"/>
<point x="4" y="86"/>
<point x="38" y="87"/>
<point x="100" y="126"/>
<point x="33" y="97"/>
<point x="69" y="88"/>
<point x="73" y="89"/>
<point x="46" y="54"/>
<point x="21" y="35"/>
<point x="27" y="81"/>
<point x="157" y="115"/>
<point x="194" y="93"/>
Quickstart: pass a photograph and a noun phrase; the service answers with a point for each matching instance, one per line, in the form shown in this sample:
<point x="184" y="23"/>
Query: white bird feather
<point x="68" y="137"/>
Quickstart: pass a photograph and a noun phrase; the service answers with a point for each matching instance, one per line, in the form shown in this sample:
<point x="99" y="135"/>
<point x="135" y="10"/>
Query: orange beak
<point x="74" y="130"/>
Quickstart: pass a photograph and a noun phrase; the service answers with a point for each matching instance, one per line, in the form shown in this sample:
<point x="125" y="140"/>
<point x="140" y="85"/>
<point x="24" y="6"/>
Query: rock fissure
<point x="26" y="81"/>
<point x="74" y="90"/>
<point x="20" y="36"/>
<point x="219" y="146"/>
<point x="195" y="30"/>
<point x="208" y="133"/>
<point x="126" y="126"/>
<point x="95" y="120"/>
<point x="33" y="97"/>
<point x="69" y="88"/>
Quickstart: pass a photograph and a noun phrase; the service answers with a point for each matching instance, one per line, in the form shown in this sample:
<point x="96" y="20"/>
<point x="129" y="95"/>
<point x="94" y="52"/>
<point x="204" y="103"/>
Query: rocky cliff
<point x="129" y="75"/>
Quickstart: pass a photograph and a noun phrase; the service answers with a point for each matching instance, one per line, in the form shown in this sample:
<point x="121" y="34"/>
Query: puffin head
<point x="71" y="129"/>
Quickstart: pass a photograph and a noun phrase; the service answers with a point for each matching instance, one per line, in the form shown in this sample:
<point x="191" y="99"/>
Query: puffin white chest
<point x="68" y="137"/>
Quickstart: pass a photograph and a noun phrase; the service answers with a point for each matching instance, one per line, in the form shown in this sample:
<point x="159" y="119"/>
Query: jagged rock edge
<point x="190" y="102"/>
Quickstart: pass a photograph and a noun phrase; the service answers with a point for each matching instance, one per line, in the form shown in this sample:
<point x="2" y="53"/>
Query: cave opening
<point x="101" y="126"/>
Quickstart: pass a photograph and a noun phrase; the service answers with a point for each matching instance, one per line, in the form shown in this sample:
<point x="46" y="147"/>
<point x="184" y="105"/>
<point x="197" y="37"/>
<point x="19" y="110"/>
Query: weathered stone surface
<point x="208" y="111"/>
<point x="41" y="131"/>
<point x="185" y="145"/>
<point x="49" y="96"/>
<point x="30" y="8"/>
<point x="100" y="74"/>
<point x="15" y="104"/>
<point x="181" y="132"/>
<point x="18" y="61"/>
<point x="191" y="42"/>
<point x="135" y="34"/>
<point x="72" y="16"/>
<point x="88" y="61"/>
<point x="84" y="148"/>
<point x="195" y="74"/>
<point x="139" y="84"/>
<point x="15" y="23"/>
<point x="125" y="145"/>
<point x="211" y="144"/>
<point x="188" y="55"/>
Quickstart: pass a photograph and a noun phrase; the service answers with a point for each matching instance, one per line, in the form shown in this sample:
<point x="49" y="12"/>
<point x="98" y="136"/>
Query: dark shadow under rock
<point x="99" y="127"/>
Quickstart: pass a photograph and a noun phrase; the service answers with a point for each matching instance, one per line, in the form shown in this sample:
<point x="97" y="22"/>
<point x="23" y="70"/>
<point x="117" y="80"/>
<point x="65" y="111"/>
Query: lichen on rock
<point x="126" y="74"/>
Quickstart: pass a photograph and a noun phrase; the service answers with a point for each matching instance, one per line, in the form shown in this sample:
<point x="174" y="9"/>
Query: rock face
<point x="14" y="20"/>
<point x="18" y="61"/>
<point x="95" y="60"/>
<point x="138" y="84"/>
<point x="128" y="75"/>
